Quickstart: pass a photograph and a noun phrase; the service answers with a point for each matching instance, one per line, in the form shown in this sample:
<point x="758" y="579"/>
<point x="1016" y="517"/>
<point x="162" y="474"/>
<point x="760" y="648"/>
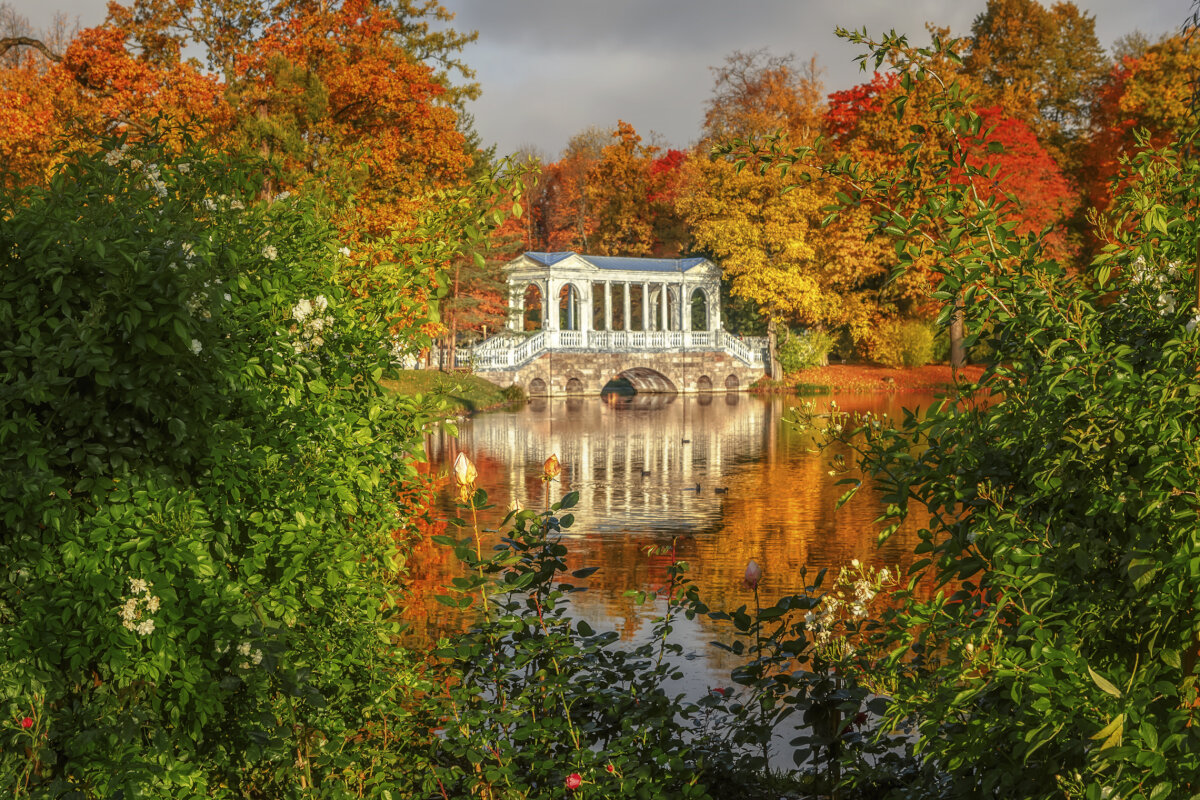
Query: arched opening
<point x="732" y="383"/>
<point x="531" y="315"/>
<point x="537" y="386"/>
<point x="704" y="384"/>
<point x="699" y="310"/>
<point x="616" y="388"/>
<point x="648" y="381"/>
<point x="568" y="308"/>
<point x="574" y="386"/>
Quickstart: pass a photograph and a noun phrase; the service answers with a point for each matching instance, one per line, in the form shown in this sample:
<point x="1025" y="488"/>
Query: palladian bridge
<point x="579" y="322"/>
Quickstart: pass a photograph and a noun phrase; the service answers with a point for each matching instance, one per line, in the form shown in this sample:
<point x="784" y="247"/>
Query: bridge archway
<point x="648" y="381"/>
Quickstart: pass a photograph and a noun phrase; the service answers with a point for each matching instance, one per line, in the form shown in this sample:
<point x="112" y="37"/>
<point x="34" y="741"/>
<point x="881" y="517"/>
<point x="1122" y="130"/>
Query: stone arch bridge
<point x="579" y="322"/>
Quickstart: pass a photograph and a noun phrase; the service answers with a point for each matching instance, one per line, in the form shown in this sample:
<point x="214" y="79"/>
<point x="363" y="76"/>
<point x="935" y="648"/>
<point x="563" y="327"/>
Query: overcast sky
<point x="551" y="68"/>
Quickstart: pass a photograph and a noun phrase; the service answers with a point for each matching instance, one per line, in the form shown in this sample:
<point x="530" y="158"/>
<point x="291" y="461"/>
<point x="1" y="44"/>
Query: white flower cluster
<point x="1142" y="273"/>
<point x="850" y="597"/>
<point x="345" y="251"/>
<point x="116" y="155"/>
<point x="270" y="253"/>
<point x="312" y="324"/>
<point x="154" y="179"/>
<point x="136" y="610"/>
<point x="820" y="623"/>
<point x="223" y="202"/>
<point x="197" y="304"/>
<point x="1152" y="278"/>
<point x="245" y="650"/>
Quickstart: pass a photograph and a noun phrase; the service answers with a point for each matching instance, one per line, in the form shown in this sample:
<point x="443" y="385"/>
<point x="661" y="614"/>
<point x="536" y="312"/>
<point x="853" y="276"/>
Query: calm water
<point x="726" y="477"/>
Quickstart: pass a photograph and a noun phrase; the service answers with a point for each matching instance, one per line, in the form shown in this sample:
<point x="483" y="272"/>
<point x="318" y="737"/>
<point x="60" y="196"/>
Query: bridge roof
<point x="626" y="263"/>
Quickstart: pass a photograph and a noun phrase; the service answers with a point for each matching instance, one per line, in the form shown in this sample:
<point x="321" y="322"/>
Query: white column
<point x="516" y="309"/>
<point x="713" y="299"/>
<point x="550" y="307"/>
<point x="586" y="304"/>
<point x="607" y="306"/>
<point x="685" y="307"/>
<point x="664" y="300"/>
<point x="626" y="323"/>
<point x="645" y="306"/>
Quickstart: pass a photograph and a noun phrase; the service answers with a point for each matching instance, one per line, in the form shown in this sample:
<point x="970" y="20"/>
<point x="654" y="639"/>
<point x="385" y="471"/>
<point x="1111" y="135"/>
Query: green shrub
<point x="805" y="350"/>
<point x="198" y="493"/>
<point x="536" y="697"/>
<point x="1058" y="657"/>
<point x="904" y="343"/>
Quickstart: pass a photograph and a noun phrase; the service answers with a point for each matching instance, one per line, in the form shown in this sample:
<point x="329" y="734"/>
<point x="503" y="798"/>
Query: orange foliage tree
<point x="1148" y="93"/>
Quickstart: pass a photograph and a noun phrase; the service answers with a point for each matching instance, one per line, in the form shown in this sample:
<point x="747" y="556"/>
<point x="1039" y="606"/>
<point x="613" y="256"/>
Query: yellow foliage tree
<point x="763" y="238"/>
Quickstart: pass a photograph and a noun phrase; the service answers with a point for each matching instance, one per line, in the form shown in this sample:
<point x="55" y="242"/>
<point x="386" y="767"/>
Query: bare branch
<point x="19" y="41"/>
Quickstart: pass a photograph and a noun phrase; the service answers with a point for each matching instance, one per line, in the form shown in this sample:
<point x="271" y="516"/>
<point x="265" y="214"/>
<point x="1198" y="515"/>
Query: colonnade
<point x="664" y="306"/>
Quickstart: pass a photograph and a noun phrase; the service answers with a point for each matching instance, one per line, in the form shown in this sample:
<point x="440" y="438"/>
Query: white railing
<point x="510" y="351"/>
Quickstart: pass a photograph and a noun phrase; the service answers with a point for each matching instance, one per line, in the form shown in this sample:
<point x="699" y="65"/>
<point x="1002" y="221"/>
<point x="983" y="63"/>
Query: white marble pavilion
<point x="609" y="304"/>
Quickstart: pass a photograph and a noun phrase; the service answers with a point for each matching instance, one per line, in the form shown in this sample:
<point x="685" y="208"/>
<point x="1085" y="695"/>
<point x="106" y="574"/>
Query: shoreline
<point x="867" y="378"/>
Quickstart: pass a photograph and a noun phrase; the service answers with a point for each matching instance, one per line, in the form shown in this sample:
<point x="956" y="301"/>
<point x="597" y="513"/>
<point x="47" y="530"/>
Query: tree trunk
<point x="264" y="150"/>
<point x="958" y="352"/>
<point x="772" y="352"/>
<point x="452" y="343"/>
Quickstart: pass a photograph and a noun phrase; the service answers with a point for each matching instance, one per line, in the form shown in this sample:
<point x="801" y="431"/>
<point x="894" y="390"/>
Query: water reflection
<point x="725" y="477"/>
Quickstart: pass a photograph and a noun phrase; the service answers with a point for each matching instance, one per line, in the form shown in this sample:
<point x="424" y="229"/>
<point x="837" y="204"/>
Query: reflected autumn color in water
<point x="726" y="477"/>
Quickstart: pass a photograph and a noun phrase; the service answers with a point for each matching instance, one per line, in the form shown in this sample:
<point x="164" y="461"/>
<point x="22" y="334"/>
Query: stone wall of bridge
<point x="563" y="373"/>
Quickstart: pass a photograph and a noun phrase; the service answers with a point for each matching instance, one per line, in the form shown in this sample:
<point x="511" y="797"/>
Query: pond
<point x="725" y="477"/>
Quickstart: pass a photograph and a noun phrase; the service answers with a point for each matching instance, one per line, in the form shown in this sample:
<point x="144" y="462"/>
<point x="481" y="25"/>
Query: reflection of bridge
<point x="654" y="322"/>
<point x="632" y="460"/>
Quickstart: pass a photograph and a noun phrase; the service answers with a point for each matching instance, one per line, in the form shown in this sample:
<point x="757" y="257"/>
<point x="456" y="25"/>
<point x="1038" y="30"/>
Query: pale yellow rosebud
<point x="551" y="468"/>
<point x="464" y="471"/>
<point x="515" y="506"/>
<point x="753" y="575"/>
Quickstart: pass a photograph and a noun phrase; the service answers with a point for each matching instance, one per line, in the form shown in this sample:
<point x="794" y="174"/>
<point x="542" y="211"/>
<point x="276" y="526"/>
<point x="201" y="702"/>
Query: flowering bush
<point x="1059" y="656"/>
<point x="198" y="494"/>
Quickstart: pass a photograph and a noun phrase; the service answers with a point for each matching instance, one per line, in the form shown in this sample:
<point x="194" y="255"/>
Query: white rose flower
<point x="196" y="346"/>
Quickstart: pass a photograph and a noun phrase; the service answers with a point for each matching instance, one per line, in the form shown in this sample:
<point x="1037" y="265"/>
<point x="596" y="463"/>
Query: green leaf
<point x="1112" y="733"/>
<point x="1103" y="683"/>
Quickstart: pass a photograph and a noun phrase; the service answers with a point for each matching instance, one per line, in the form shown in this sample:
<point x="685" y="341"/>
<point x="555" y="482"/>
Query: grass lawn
<point x="465" y="393"/>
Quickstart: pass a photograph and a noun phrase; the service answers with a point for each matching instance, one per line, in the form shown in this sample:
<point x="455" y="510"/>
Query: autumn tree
<point x="564" y="203"/>
<point x="1147" y="94"/>
<point x="869" y="127"/>
<point x="339" y="102"/>
<point x="53" y="102"/>
<point x="227" y="30"/>
<point x="760" y="234"/>
<point x="756" y="93"/>
<point x="1041" y="65"/>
